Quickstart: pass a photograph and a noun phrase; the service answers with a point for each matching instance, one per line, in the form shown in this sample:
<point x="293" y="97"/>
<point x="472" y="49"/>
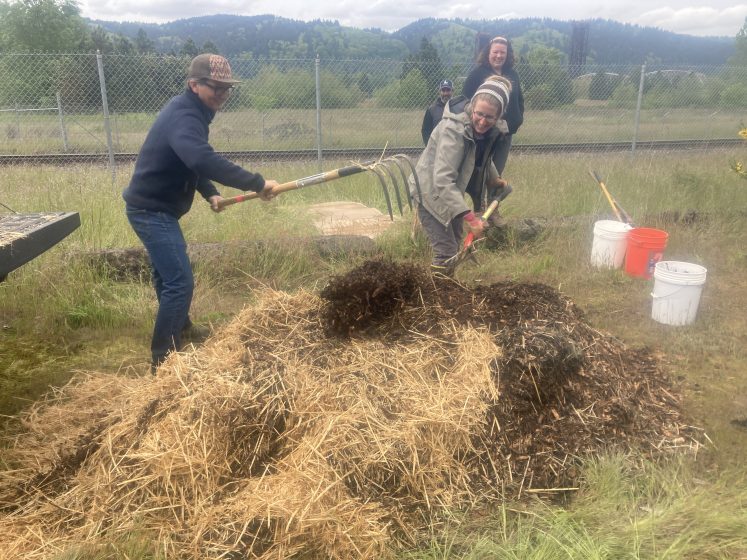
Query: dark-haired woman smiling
<point x="497" y="58"/>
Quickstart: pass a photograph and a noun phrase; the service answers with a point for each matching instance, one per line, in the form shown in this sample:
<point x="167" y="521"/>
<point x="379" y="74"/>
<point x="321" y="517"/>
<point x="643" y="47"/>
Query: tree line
<point x="140" y="76"/>
<point x="57" y="26"/>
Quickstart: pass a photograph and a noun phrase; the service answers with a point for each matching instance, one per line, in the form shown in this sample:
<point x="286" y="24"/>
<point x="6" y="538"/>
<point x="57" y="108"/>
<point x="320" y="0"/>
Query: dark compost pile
<point x="567" y="390"/>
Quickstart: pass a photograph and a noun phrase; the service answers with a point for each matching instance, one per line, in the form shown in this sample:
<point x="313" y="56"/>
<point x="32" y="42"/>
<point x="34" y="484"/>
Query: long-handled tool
<point x="468" y="247"/>
<point x="620" y="213"/>
<point x="379" y="168"/>
<point x="304" y="182"/>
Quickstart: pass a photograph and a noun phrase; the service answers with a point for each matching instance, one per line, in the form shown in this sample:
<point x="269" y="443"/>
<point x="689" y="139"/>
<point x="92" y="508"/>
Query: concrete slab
<point x="348" y="218"/>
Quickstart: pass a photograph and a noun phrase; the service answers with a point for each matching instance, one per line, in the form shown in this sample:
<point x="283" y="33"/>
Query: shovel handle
<point x="607" y="194"/>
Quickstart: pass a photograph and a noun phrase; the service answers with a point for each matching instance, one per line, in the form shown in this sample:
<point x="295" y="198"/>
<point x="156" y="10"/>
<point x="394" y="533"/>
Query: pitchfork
<point x="380" y="168"/>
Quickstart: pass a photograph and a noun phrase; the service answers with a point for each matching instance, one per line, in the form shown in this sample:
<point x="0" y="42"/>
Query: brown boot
<point x="195" y="334"/>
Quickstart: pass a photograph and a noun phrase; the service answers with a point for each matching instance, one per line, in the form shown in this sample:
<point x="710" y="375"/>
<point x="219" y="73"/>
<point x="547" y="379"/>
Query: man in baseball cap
<point x="211" y="67"/>
<point x="436" y="110"/>
<point x="174" y="162"/>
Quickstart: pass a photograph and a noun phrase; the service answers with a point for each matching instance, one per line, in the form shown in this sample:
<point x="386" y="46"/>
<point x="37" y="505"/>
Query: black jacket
<point x="433" y="114"/>
<point x="514" y="114"/>
<point x="176" y="159"/>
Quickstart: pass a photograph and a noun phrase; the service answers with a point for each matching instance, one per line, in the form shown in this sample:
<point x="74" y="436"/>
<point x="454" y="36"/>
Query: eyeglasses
<point x="220" y="90"/>
<point x="483" y="116"/>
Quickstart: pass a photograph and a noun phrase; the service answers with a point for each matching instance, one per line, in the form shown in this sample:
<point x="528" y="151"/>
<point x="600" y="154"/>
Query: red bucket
<point x="645" y="249"/>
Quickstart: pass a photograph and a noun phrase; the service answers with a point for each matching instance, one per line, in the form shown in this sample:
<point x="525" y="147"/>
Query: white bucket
<point x="677" y="287"/>
<point x="610" y="243"/>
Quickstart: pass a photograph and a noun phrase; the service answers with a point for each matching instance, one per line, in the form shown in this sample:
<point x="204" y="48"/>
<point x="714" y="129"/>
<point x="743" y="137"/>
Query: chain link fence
<point x="63" y="106"/>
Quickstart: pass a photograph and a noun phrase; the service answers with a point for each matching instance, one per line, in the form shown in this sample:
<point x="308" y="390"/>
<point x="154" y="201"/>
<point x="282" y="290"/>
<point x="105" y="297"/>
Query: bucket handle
<point x="670" y="294"/>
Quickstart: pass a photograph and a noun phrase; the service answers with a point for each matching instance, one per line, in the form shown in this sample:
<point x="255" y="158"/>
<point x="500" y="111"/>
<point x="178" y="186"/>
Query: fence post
<point x="18" y="120"/>
<point x="63" y="132"/>
<point x="262" y="131"/>
<point x="638" y="107"/>
<point x="116" y="133"/>
<point x="105" y="107"/>
<point x="318" y="114"/>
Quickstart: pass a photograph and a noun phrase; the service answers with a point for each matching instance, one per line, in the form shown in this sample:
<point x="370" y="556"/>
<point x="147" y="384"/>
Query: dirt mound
<point x="567" y="390"/>
<point x="369" y="294"/>
<point x="385" y="299"/>
<point x="333" y="428"/>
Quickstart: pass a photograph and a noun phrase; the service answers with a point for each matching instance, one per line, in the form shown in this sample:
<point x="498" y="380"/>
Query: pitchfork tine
<point x="393" y="179"/>
<point x="414" y="174"/>
<point x="382" y="180"/>
<point x="404" y="179"/>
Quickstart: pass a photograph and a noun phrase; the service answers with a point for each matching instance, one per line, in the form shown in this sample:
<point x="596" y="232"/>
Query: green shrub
<point x="410" y="92"/>
<point x="734" y="95"/>
<point x="602" y="86"/>
<point x="296" y="89"/>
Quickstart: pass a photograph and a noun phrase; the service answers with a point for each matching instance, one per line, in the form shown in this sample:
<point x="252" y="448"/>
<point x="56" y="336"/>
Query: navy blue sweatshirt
<point x="176" y="160"/>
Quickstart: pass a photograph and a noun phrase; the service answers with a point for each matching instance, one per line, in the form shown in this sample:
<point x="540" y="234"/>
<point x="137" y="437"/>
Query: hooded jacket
<point x="176" y="159"/>
<point x="446" y="166"/>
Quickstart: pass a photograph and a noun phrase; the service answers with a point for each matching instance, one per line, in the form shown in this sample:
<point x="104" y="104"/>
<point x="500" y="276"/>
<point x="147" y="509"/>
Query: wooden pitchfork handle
<point x="300" y="183"/>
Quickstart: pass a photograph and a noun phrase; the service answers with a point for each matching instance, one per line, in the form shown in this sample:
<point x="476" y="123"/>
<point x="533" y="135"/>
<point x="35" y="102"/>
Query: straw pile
<point x="286" y="435"/>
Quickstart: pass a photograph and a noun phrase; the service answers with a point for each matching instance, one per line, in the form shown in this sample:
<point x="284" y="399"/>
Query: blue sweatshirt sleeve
<point x="188" y="139"/>
<point x="206" y="188"/>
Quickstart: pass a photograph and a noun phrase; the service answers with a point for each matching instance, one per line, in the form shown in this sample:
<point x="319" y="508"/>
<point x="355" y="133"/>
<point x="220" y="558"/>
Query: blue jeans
<point x="172" y="276"/>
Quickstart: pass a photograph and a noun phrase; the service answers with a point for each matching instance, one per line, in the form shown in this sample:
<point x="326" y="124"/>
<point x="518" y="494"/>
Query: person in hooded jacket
<point x="457" y="160"/>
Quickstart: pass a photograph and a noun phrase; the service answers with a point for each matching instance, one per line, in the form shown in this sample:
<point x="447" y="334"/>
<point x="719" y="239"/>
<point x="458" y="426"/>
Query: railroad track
<point x="373" y="153"/>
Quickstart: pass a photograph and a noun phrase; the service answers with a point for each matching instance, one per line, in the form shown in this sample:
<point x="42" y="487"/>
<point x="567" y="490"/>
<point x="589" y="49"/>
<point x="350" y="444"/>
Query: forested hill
<point x="609" y="42"/>
<point x="265" y="36"/>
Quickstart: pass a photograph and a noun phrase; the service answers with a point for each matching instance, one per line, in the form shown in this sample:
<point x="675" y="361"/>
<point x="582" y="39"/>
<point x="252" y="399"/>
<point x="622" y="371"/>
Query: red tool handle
<point x="469" y="239"/>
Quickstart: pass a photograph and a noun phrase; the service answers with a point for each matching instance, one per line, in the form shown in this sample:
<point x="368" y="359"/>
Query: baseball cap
<point x="211" y="67"/>
<point x="446" y="84"/>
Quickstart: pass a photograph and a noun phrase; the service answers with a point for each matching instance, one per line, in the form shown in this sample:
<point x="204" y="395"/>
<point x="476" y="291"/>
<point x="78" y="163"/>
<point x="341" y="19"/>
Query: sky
<point x="690" y="17"/>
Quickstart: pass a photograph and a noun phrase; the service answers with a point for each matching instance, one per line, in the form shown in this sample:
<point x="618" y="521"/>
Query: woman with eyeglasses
<point x="456" y="161"/>
<point x="497" y="58"/>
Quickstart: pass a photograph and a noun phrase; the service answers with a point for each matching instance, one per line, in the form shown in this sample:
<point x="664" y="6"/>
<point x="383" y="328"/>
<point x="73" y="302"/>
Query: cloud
<point x="719" y="17"/>
<point x="385" y="14"/>
<point x="697" y="20"/>
<point x="159" y="11"/>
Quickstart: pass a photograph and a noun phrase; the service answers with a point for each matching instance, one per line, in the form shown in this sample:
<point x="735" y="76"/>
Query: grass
<point x="293" y="129"/>
<point x="59" y="315"/>
<point x="625" y="511"/>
